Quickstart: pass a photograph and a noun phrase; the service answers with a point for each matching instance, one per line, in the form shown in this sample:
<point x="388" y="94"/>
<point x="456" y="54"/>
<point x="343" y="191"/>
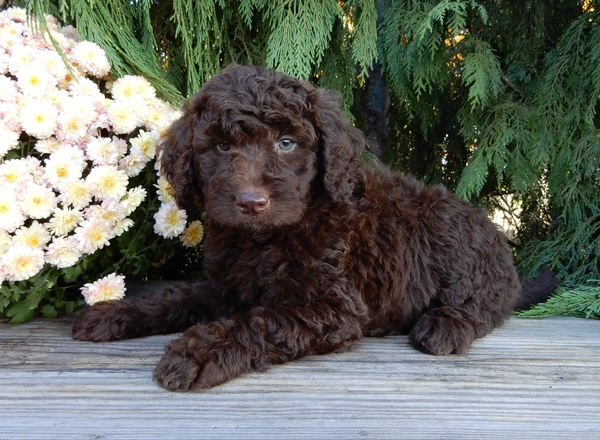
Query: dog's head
<point x="254" y="146"/>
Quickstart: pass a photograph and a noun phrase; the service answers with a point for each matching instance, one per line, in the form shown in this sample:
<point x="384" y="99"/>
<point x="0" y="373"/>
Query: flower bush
<point x="77" y="164"/>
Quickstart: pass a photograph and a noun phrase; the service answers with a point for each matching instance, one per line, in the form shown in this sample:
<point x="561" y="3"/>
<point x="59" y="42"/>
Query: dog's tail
<point x="536" y="290"/>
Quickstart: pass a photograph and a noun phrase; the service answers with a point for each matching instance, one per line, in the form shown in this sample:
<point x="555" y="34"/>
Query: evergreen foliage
<point x="496" y="100"/>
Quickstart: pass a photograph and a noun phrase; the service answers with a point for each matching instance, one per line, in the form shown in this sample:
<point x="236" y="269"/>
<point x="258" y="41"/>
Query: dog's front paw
<point x="199" y="360"/>
<point x="100" y="323"/>
<point x="443" y="331"/>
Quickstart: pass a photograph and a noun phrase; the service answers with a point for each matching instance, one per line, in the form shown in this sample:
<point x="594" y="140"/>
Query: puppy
<point x="309" y="248"/>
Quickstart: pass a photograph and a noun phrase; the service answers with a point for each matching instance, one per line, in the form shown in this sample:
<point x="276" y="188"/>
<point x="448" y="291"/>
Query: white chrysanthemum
<point x="77" y="193"/>
<point x="111" y="211"/>
<point x="133" y="199"/>
<point x="124" y="116"/>
<point x="103" y="151"/>
<point x="164" y="190"/>
<point x="11" y="216"/>
<point x="17" y="15"/>
<point x="9" y="139"/>
<point x="14" y="172"/>
<point x="47" y="146"/>
<point x="21" y="57"/>
<point x="37" y="201"/>
<point x="62" y="252"/>
<point x="193" y="234"/>
<point x="53" y="63"/>
<point x="81" y="105"/>
<point x="72" y="126"/>
<point x="10" y="36"/>
<point x="64" y="220"/>
<point x="129" y="86"/>
<point x="93" y="235"/>
<point x="9" y="89"/>
<point x="169" y="220"/>
<point x="87" y="88"/>
<point x="134" y="162"/>
<point x="90" y="58"/>
<point x="147" y="142"/>
<point x="38" y="118"/>
<point x="109" y="288"/>
<point x="35" y="80"/>
<point x="107" y="181"/>
<point x="122" y="226"/>
<point x="56" y="96"/>
<point x="21" y="262"/>
<point x="64" y="166"/>
<point x="35" y="170"/>
<point x="35" y="236"/>
<point x="5" y="241"/>
<point x="160" y="116"/>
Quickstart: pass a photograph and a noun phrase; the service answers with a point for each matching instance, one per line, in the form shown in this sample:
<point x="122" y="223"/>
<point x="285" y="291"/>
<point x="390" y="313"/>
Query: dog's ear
<point x="178" y="161"/>
<point x="340" y="145"/>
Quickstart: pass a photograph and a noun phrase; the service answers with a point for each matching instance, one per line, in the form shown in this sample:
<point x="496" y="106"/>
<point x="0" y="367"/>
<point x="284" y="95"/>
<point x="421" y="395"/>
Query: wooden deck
<point x="530" y="379"/>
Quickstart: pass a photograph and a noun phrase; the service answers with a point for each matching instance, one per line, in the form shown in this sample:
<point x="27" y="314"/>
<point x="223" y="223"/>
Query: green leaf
<point x="49" y="311"/>
<point x="21" y="312"/>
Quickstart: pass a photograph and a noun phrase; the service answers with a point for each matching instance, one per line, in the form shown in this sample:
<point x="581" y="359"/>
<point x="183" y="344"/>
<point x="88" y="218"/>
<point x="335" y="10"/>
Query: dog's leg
<point x="167" y="311"/>
<point x="211" y="353"/>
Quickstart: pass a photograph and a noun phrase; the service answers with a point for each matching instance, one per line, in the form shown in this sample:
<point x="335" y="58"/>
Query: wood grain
<point x="530" y="379"/>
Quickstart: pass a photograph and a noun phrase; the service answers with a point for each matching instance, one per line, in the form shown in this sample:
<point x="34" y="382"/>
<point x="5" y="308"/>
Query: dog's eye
<point x="285" y="144"/>
<point x="224" y="146"/>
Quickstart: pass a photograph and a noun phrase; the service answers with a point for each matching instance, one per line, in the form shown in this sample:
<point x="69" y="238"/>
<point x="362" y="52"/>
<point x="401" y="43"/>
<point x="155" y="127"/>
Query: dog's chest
<point x="289" y="266"/>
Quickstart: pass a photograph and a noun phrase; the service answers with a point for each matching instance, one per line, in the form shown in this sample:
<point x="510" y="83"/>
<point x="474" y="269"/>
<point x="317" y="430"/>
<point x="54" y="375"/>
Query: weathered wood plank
<point x="531" y="378"/>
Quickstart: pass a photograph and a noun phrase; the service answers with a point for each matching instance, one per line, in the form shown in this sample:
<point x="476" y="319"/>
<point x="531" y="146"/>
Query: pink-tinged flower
<point x="64" y="220"/>
<point x="134" y="162"/>
<point x="72" y="126"/>
<point x="9" y="89"/>
<point x="107" y="181"/>
<point x="37" y="201"/>
<point x="38" y="118"/>
<point x="111" y="211"/>
<point x="193" y="234"/>
<point x="93" y="235"/>
<point x="11" y="216"/>
<point x="21" y="262"/>
<point x="90" y="58"/>
<point x="103" y="151"/>
<point x="9" y="139"/>
<point x="109" y="288"/>
<point x="62" y="252"/>
<point x="35" y="236"/>
<point x="169" y="220"/>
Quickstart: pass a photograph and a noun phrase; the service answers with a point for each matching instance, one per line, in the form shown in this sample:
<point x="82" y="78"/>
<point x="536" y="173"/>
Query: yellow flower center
<point x="62" y="173"/>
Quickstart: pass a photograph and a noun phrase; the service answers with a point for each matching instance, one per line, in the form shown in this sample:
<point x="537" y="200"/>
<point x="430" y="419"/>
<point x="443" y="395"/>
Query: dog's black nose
<point x="252" y="203"/>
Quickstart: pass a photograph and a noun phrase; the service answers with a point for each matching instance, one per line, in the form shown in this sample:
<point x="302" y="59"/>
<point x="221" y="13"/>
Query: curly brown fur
<point x="308" y="248"/>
